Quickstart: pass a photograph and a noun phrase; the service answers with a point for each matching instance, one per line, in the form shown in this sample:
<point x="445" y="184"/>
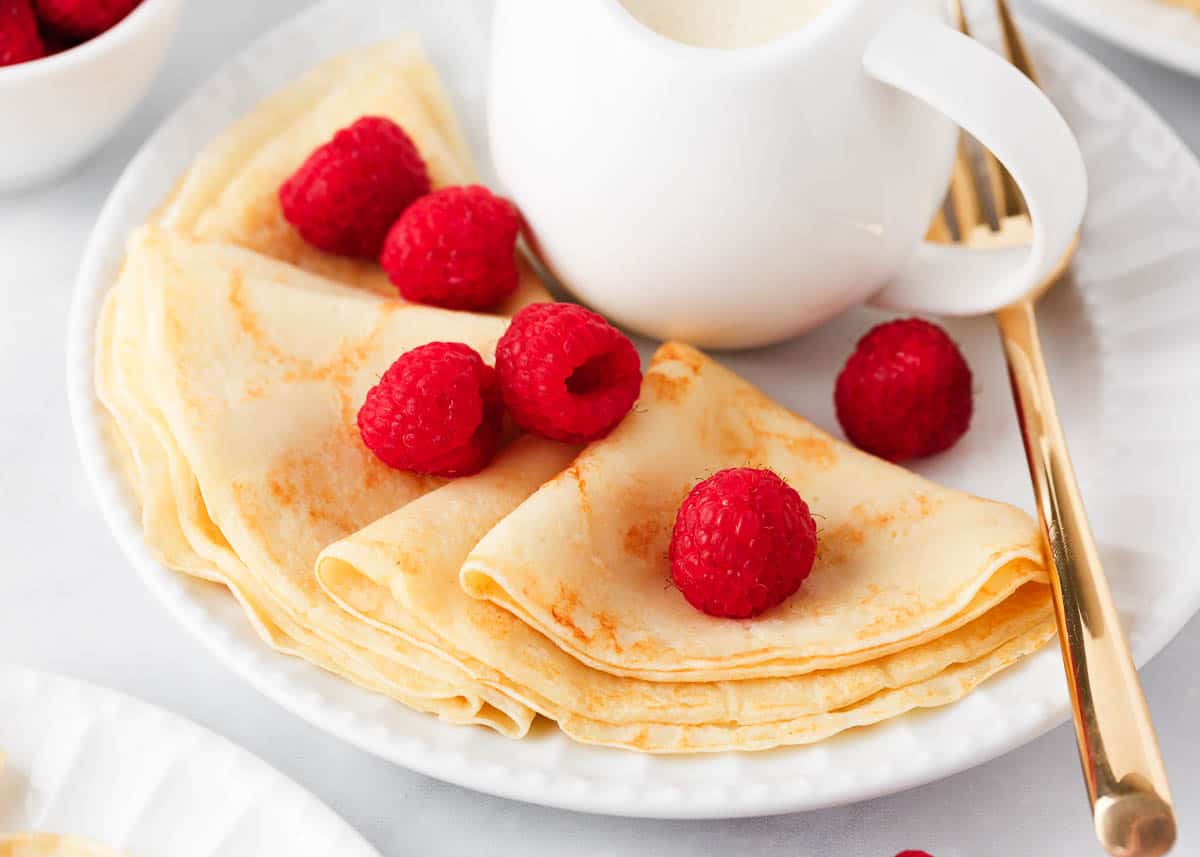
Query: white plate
<point x="1153" y="28"/>
<point x="86" y="761"/>
<point x="1122" y="346"/>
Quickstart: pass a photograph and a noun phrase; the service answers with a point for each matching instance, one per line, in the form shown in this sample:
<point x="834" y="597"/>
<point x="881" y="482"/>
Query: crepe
<point x="901" y="560"/>
<point x="230" y="194"/>
<point x="401" y="573"/>
<point x="51" y="845"/>
<point x="241" y="413"/>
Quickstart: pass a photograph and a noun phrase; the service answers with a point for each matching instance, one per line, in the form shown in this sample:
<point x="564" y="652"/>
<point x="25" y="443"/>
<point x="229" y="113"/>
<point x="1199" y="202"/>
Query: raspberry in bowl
<point x="72" y="86"/>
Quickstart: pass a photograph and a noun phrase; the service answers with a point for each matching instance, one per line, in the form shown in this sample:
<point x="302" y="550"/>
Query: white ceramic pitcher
<point x="733" y="198"/>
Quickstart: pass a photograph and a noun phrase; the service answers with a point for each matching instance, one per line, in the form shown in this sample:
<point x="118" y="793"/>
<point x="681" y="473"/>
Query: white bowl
<point x="59" y="109"/>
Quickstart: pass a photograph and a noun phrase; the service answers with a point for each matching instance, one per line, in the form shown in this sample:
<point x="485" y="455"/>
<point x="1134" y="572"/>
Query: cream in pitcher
<point x="724" y="23"/>
<point x="738" y="197"/>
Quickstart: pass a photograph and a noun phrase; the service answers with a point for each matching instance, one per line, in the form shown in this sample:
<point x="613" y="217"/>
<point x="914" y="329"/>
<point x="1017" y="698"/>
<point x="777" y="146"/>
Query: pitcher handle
<point x="993" y="101"/>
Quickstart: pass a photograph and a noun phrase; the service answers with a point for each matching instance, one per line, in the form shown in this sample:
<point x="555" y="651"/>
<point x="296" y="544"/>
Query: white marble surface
<point x="68" y="602"/>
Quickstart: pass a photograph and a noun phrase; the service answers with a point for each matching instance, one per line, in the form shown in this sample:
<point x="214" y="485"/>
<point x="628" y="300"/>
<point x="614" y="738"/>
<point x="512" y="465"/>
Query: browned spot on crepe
<point x="284" y="493"/>
<point x="838" y="544"/>
<point x="679" y="353"/>
<point x="642" y="539"/>
<point x="608" y="630"/>
<point x="340" y="368"/>
<point x="303" y="480"/>
<point x="668" y="388"/>
<point x="246" y="501"/>
<point x="575" y="472"/>
<point x="815" y="450"/>
<point x="263" y="228"/>
<point x="563" y="610"/>
<point x="739" y="442"/>
<point x="914" y="509"/>
<point x="810" y="448"/>
<point x="647" y="646"/>
<point x="248" y="322"/>
<point x="893" y="617"/>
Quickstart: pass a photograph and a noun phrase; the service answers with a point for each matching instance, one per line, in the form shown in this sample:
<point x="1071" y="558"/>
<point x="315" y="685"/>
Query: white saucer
<point x="1153" y="28"/>
<point x="1122" y="345"/>
<point x="85" y="761"/>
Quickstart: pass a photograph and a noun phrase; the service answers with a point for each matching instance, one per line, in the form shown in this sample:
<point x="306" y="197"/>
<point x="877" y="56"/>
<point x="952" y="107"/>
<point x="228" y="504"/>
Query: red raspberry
<point x="914" y="854"/>
<point x="82" y="19"/>
<point x="743" y="542"/>
<point x="350" y="191"/>
<point x="19" y="39"/>
<point x="55" y="42"/>
<point x="436" y="410"/>
<point x="905" y="392"/>
<point x="455" y="248"/>
<point x="566" y="373"/>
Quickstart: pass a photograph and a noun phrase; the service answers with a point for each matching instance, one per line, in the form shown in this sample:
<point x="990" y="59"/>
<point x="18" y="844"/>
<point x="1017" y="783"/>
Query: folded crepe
<point x="231" y="192"/>
<point x="51" y="845"/>
<point x="901" y="560"/>
<point x="401" y="574"/>
<point x="234" y="381"/>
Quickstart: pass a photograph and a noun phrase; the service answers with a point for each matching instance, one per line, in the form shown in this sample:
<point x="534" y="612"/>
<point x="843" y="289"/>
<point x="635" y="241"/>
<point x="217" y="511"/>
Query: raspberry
<point x="566" y="373"/>
<point x="914" y="854"/>
<point x="437" y="410"/>
<point x="82" y="19"/>
<point x="350" y="191"/>
<point x="19" y="39"/>
<point x="55" y="42"/>
<point x="905" y="392"/>
<point x="455" y="249"/>
<point x="743" y="542"/>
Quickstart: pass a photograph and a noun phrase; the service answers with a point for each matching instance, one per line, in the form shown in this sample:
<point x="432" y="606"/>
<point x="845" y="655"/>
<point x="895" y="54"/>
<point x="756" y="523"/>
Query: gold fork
<point x="1122" y="765"/>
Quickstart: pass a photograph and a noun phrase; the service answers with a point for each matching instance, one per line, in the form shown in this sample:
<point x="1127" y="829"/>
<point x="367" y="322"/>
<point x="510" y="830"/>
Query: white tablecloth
<point x="69" y="602"/>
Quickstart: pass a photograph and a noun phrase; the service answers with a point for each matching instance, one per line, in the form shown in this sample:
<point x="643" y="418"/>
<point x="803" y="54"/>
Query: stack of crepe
<point x="233" y="359"/>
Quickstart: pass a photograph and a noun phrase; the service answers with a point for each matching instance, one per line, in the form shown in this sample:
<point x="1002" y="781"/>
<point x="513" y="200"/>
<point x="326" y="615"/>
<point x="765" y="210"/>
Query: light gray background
<point x="69" y="602"/>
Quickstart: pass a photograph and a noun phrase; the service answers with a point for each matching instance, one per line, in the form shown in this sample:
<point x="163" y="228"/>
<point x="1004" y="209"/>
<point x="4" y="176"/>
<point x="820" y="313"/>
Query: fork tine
<point x="964" y="200"/>
<point x="959" y="14"/>
<point x="1014" y="45"/>
<point x="966" y="203"/>
<point x="939" y="229"/>
<point x="1002" y="190"/>
<point x="1007" y="195"/>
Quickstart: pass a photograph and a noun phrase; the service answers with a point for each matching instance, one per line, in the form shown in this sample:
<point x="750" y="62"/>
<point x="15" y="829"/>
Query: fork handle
<point x="1122" y="765"/>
